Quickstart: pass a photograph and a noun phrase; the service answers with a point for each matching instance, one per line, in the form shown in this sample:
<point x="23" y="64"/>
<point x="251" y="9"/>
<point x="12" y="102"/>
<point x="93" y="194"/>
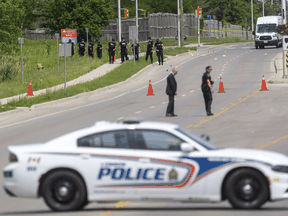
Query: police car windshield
<point x="266" y="28"/>
<point x="204" y="143"/>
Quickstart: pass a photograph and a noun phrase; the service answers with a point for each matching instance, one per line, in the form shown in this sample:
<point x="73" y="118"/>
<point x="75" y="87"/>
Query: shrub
<point x="8" y="68"/>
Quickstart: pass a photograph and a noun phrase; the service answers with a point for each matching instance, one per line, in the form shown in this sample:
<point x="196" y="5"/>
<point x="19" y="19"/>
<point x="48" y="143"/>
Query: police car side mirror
<point x="186" y="147"/>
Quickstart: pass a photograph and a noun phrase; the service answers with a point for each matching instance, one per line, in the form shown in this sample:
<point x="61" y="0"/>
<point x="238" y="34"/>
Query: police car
<point x="138" y="160"/>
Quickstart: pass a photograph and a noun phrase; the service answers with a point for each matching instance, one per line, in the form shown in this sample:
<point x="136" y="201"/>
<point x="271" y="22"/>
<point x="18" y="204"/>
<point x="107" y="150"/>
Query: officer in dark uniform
<point x="137" y="50"/>
<point x="123" y="47"/>
<point x="99" y="50"/>
<point x="82" y="48"/>
<point x="159" y="50"/>
<point x="149" y="50"/>
<point x="72" y="47"/>
<point x="91" y="49"/>
<point x="207" y="90"/>
<point x="111" y="50"/>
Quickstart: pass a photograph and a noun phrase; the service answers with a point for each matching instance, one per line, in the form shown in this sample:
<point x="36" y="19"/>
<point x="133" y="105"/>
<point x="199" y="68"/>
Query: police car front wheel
<point x="64" y="191"/>
<point x="247" y="189"/>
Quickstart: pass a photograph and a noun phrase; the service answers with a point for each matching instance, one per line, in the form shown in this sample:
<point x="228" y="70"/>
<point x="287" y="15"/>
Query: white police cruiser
<point x="135" y="160"/>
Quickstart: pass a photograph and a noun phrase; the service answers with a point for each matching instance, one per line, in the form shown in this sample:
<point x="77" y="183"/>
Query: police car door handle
<point x="85" y="156"/>
<point x="144" y="160"/>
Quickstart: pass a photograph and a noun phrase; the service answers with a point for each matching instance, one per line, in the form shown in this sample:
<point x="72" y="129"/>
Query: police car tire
<point x="79" y="199"/>
<point x="261" y="196"/>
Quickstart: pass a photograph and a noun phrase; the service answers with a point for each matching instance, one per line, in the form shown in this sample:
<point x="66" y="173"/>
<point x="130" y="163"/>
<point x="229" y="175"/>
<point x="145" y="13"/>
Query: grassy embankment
<point x="121" y="73"/>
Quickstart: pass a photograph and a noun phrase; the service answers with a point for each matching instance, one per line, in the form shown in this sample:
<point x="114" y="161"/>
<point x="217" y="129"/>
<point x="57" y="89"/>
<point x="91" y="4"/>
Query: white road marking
<point x="120" y="118"/>
<point x="192" y="91"/>
<point x="219" y="77"/>
<point x="164" y="103"/>
<point x="138" y="112"/>
<point x="199" y="88"/>
<point x="152" y="107"/>
<point x="183" y="95"/>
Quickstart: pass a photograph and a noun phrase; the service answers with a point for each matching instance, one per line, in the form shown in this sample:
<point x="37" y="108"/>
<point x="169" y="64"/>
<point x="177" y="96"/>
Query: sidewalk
<point x="278" y="77"/>
<point x="96" y="73"/>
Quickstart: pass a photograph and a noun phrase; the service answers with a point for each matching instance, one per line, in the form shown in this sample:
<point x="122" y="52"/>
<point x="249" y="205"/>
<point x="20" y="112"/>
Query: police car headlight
<point x="280" y="168"/>
<point x="12" y="157"/>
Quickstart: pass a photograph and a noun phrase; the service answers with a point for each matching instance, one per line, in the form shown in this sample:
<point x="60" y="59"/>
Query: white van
<point x="265" y="34"/>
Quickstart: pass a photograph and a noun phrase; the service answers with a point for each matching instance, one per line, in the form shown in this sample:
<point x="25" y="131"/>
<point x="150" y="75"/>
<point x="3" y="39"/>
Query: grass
<point x="119" y="74"/>
<point x="206" y="41"/>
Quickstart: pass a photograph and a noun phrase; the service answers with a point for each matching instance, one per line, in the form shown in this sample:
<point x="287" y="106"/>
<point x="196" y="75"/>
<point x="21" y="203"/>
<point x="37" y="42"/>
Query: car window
<point x="157" y="140"/>
<point x="111" y="139"/>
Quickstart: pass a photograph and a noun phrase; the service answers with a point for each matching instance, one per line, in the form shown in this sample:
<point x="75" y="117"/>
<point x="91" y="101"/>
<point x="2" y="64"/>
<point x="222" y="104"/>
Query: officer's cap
<point x="112" y="39"/>
<point x="149" y="38"/>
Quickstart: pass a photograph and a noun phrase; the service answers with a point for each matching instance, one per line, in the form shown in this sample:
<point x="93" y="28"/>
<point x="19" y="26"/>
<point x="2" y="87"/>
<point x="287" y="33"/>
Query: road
<point x="245" y="117"/>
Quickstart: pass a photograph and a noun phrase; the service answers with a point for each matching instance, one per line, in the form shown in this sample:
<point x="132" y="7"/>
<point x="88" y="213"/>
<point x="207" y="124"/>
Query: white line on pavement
<point x="120" y="118"/>
<point x="183" y="95"/>
<point x="192" y="91"/>
<point x="164" y="103"/>
<point x="152" y="107"/>
<point x="138" y="112"/>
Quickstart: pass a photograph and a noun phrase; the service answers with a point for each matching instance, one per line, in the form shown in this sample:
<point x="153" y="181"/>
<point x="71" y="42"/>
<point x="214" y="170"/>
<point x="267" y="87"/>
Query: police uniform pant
<point x="151" y="55"/>
<point x="160" y="57"/>
<point x="91" y="54"/>
<point x="208" y="100"/>
<point x="170" y="107"/>
<point x="99" y="54"/>
<point x="111" y="56"/>
<point x="136" y="55"/>
<point x="81" y="53"/>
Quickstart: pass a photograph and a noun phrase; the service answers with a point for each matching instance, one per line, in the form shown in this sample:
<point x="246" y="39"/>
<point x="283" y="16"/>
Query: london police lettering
<point x="126" y="174"/>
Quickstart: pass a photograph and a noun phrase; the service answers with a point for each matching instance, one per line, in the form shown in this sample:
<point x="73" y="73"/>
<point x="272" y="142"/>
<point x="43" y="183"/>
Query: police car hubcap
<point x="63" y="191"/>
<point x="247" y="189"/>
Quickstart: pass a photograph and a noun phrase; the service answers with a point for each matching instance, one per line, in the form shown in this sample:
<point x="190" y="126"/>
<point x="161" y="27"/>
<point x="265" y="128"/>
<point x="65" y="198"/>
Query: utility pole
<point x="57" y="37"/>
<point x="263" y="7"/>
<point x="252" y="23"/>
<point x="182" y="24"/>
<point x="119" y="19"/>
<point x="246" y="28"/>
<point x="214" y="18"/>
<point x="283" y="11"/>
<point x="178" y="16"/>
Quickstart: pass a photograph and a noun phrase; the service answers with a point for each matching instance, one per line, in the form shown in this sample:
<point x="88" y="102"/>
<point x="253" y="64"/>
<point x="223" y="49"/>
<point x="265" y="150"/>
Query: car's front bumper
<point x="266" y="43"/>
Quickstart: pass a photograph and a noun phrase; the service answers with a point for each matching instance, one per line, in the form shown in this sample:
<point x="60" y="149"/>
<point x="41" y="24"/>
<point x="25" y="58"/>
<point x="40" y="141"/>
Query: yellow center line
<point x="271" y="143"/>
<point x="223" y="110"/>
<point x="117" y="205"/>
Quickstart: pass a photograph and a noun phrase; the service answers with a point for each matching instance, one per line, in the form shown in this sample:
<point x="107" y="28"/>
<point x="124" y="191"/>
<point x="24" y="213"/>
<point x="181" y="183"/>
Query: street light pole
<point x="119" y="20"/>
<point x="57" y="36"/>
<point x="178" y="15"/>
<point x="252" y="23"/>
<point x="136" y="19"/>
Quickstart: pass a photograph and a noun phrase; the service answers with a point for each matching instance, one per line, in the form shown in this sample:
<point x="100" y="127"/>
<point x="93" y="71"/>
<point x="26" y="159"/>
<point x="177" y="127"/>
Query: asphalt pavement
<point x="244" y="117"/>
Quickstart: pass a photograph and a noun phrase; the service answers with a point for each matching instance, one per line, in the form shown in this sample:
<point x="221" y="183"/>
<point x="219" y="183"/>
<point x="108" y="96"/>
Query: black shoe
<point x="169" y="115"/>
<point x="210" y="114"/>
<point x="174" y="115"/>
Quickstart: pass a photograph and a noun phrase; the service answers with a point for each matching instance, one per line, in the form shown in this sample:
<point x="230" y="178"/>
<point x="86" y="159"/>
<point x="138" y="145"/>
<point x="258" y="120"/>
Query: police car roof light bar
<point x="132" y="120"/>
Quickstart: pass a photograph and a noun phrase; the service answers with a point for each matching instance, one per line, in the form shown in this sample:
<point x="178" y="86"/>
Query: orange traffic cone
<point x="30" y="92"/>
<point x="114" y="59"/>
<point x="150" y="89"/>
<point x="221" y="86"/>
<point x="263" y="87"/>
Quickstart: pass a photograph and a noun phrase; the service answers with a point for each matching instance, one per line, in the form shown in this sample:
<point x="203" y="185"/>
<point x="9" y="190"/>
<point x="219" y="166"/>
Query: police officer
<point x="111" y="50"/>
<point x="137" y="50"/>
<point x="159" y="50"/>
<point x="149" y="50"/>
<point x="99" y="50"/>
<point x="207" y="90"/>
<point x="91" y="49"/>
<point x="72" y="47"/>
<point x="123" y="47"/>
<point x="82" y="48"/>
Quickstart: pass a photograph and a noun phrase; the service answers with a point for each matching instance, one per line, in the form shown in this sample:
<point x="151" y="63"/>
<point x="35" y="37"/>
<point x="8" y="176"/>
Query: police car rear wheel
<point x="247" y="189"/>
<point x="64" y="191"/>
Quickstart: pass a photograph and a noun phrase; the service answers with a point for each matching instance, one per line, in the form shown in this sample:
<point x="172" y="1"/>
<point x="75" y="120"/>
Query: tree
<point x="30" y="14"/>
<point x="77" y="14"/>
<point x="11" y="15"/>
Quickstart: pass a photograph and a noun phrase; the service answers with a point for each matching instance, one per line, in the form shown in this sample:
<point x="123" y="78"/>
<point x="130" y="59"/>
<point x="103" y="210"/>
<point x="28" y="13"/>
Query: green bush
<point x="8" y="68"/>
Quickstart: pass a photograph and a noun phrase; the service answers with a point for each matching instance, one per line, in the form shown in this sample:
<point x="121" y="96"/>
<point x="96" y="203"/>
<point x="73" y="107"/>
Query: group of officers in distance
<point x="124" y="49"/>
